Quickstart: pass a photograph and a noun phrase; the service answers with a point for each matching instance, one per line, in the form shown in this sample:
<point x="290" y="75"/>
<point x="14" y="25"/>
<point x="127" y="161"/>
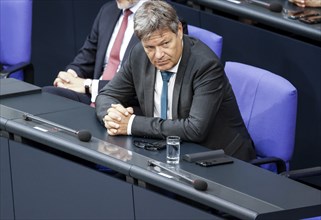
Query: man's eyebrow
<point x="160" y="43"/>
<point x="165" y="40"/>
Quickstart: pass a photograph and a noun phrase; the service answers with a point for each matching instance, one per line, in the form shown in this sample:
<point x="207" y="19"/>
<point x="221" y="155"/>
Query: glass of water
<point x="172" y="149"/>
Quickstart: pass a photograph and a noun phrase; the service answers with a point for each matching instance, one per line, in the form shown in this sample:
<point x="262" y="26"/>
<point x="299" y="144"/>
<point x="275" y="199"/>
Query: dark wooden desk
<point x="52" y="174"/>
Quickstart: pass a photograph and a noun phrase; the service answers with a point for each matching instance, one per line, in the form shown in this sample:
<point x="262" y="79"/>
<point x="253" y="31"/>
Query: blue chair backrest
<point x="268" y="105"/>
<point x="212" y="40"/>
<point x="15" y="33"/>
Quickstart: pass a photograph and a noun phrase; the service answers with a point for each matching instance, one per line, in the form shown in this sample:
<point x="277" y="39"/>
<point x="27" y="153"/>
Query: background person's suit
<point x="89" y="62"/>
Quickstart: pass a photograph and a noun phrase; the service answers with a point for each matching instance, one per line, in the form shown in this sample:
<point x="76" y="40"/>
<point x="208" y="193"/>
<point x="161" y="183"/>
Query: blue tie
<point x="165" y="76"/>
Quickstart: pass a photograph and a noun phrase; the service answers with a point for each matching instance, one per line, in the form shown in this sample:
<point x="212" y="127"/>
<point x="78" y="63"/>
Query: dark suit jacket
<point x="204" y="106"/>
<point x="89" y="62"/>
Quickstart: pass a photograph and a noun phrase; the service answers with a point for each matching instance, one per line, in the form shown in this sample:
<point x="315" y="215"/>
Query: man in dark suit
<point x="87" y="67"/>
<point x="201" y="104"/>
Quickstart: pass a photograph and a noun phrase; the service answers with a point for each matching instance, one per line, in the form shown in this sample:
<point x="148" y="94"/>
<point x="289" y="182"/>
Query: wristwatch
<point x="87" y="85"/>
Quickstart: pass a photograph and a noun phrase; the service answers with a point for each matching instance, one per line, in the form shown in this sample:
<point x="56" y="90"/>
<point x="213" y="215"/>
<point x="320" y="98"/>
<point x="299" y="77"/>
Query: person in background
<point x="306" y="3"/>
<point x="200" y="106"/>
<point x="83" y="77"/>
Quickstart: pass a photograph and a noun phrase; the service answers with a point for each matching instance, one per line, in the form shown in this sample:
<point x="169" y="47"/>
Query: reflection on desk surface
<point x="114" y="151"/>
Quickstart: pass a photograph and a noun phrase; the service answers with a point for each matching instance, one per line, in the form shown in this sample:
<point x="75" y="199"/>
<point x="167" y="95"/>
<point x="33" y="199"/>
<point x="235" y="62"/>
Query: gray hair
<point x="155" y="15"/>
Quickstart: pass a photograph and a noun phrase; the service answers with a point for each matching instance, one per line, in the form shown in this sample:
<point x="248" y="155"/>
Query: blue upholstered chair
<point x="268" y="105"/>
<point x="212" y="40"/>
<point x="15" y="39"/>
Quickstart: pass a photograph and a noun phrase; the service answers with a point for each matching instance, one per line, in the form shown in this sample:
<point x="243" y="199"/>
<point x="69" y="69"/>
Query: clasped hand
<point x="70" y="80"/>
<point x="117" y="118"/>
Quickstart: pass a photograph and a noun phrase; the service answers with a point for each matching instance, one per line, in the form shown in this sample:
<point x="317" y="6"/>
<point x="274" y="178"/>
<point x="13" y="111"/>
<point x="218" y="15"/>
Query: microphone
<point x="273" y="6"/>
<point x="197" y="183"/>
<point x="82" y="135"/>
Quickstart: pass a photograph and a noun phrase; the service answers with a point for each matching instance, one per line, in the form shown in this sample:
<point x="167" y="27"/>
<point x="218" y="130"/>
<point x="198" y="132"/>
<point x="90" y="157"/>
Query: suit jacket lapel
<point x="149" y="83"/>
<point x="133" y="41"/>
<point x="106" y="35"/>
<point x="179" y="77"/>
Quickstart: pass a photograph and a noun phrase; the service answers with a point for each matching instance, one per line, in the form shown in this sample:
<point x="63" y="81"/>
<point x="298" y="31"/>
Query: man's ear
<point x="184" y="25"/>
<point x="180" y="30"/>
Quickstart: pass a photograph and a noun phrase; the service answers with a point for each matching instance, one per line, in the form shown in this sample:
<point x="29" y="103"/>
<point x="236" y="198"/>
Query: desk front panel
<point x="48" y="184"/>
<point x="6" y="199"/>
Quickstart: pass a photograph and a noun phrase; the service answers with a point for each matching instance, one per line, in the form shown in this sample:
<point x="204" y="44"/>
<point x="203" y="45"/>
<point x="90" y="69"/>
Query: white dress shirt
<point x="128" y="35"/>
<point x="157" y="96"/>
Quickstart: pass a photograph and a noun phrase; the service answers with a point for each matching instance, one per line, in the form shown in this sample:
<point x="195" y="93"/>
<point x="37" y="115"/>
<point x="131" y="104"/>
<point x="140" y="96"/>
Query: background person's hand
<point x="306" y="3"/>
<point x="70" y="80"/>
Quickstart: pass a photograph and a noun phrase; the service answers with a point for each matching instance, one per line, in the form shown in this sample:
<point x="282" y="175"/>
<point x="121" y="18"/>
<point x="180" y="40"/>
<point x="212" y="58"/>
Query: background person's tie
<point x="165" y="76"/>
<point x="114" y="59"/>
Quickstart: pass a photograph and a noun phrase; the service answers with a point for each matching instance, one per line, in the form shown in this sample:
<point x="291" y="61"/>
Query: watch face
<point x="87" y="84"/>
<point x="86" y="89"/>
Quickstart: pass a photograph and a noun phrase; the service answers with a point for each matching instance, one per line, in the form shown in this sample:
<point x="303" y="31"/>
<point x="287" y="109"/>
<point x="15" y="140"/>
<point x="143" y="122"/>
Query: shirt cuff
<point x="130" y="123"/>
<point x="94" y="90"/>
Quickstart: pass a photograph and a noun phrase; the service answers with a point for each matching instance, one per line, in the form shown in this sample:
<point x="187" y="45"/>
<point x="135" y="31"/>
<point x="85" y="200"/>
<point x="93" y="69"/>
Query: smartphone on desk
<point x="214" y="162"/>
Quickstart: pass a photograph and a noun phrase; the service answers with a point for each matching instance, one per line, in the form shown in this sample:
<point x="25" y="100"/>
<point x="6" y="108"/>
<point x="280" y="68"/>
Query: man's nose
<point x="159" y="52"/>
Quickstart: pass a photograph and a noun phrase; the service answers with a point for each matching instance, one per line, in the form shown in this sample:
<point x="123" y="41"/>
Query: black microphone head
<point x="275" y="7"/>
<point x="200" y="185"/>
<point x="84" y="135"/>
